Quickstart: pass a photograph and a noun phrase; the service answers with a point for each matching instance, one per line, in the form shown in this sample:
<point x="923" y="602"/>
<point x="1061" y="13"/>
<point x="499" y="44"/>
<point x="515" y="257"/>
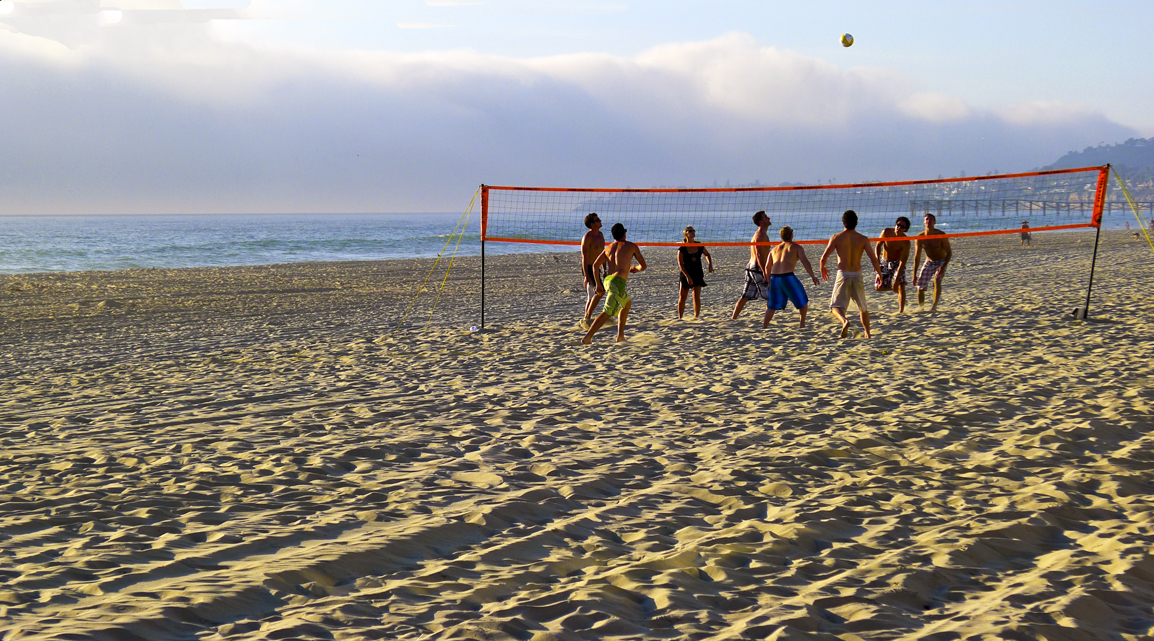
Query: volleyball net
<point x="1056" y="200"/>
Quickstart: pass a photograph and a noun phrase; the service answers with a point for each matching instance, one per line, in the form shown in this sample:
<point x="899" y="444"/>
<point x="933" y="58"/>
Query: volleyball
<point x="846" y="40"/>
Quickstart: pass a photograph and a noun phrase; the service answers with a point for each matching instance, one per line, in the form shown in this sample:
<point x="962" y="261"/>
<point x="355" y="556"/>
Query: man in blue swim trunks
<point x="783" y="285"/>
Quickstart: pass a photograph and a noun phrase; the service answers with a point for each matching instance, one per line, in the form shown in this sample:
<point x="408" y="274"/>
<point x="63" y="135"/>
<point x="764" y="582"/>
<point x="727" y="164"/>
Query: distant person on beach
<point x="1025" y="242"/>
<point x="756" y="285"/>
<point x="849" y="285"/>
<point x="692" y="276"/>
<point x="783" y="284"/>
<point x="618" y="256"/>
<point x="938" y="255"/>
<point x="893" y="256"/>
<point x="592" y="244"/>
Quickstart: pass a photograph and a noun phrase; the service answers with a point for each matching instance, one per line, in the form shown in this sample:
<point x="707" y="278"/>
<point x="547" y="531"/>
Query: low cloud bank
<point x="169" y="119"/>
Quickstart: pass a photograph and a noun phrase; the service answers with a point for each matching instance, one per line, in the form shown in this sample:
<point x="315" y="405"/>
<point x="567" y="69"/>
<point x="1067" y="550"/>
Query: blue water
<point x="81" y="243"/>
<point x="108" y="242"/>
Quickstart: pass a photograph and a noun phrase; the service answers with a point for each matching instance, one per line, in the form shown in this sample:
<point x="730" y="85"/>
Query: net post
<point x="484" y="227"/>
<point x="1083" y="313"/>
<point x="482" y="283"/>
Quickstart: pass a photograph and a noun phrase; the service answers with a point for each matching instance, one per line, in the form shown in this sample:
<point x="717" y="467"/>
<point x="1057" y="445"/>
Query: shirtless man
<point x="938" y="255"/>
<point x="893" y="255"/>
<point x="756" y="285"/>
<point x="783" y="285"/>
<point x="1025" y="242"/>
<point x="592" y="244"/>
<point x="849" y="285"/>
<point x="619" y="257"/>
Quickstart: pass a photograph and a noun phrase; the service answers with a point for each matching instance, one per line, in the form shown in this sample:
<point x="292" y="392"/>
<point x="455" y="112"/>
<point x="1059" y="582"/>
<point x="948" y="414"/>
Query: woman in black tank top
<point x="691" y="275"/>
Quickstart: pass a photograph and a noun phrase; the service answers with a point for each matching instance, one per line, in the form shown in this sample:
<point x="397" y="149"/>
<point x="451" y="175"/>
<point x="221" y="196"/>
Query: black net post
<point x="1084" y="312"/>
<point x="484" y="220"/>
<point x="482" y="283"/>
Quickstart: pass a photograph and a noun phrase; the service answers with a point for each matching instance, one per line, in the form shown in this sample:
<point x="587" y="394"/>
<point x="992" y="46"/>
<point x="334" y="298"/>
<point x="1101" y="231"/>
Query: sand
<point x="253" y="453"/>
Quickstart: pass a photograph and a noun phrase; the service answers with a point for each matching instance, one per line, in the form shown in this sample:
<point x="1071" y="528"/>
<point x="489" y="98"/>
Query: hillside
<point x="1134" y="160"/>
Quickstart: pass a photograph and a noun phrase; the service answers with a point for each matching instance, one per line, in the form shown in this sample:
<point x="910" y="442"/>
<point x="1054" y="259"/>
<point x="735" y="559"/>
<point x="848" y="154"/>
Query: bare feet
<point x="737" y="307"/>
<point x="844" y="329"/>
<point x="621" y="338"/>
<point x="586" y="340"/>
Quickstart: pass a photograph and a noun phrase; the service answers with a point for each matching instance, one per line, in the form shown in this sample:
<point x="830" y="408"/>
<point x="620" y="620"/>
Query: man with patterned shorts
<point x="938" y="255"/>
<point x="892" y="255"/>
<point x="756" y="283"/>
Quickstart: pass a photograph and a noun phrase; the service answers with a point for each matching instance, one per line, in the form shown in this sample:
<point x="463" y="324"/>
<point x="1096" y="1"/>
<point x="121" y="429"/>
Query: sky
<point x="278" y="106"/>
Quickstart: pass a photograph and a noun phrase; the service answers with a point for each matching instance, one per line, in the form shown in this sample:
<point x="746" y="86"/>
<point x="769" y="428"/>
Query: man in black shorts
<point x="592" y="244"/>
<point x="757" y="271"/>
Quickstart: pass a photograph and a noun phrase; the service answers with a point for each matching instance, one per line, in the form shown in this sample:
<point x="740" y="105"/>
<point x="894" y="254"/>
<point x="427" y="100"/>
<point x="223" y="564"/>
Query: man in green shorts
<point x="618" y="256"/>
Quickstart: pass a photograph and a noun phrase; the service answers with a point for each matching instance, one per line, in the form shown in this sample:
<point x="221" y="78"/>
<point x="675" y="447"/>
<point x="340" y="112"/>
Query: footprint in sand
<point x="479" y="479"/>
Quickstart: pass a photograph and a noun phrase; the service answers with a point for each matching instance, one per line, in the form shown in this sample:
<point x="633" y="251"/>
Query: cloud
<point x="214" y="4"/>
<point x="936" y="107"/>
<point x="1043" y="112"/>
<point x="79" y="23"/>
<point x="421" y="25"/>
<point x="142" y="5"/>
<point x="165" y="118"/>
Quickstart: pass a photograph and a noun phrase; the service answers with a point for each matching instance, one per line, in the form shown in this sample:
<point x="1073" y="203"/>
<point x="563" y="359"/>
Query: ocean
<point x="110" y="242"/>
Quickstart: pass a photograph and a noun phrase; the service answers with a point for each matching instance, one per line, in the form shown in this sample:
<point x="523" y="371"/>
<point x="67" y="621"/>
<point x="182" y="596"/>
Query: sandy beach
<point x="260" y="453"/>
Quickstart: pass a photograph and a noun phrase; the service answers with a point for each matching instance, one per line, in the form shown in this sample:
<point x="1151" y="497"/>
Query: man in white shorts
<point x="849" y="284"/>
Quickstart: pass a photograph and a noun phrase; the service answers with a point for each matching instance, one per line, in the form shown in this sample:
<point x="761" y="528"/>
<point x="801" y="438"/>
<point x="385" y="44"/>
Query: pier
<point x="1017" y="207"/>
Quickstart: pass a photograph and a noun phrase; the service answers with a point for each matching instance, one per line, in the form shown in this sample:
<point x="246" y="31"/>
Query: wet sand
<point x="259" y="453"/>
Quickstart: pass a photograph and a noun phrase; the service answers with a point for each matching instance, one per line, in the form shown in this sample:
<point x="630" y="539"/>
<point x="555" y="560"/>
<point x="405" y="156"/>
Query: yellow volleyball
<point x="846" y="40"/>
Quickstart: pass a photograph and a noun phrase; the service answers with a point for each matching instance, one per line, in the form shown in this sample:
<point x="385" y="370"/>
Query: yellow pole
<point x="464" y="228"/>
<point x="421" y="288"/>
<point x="1134" y="208"/>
